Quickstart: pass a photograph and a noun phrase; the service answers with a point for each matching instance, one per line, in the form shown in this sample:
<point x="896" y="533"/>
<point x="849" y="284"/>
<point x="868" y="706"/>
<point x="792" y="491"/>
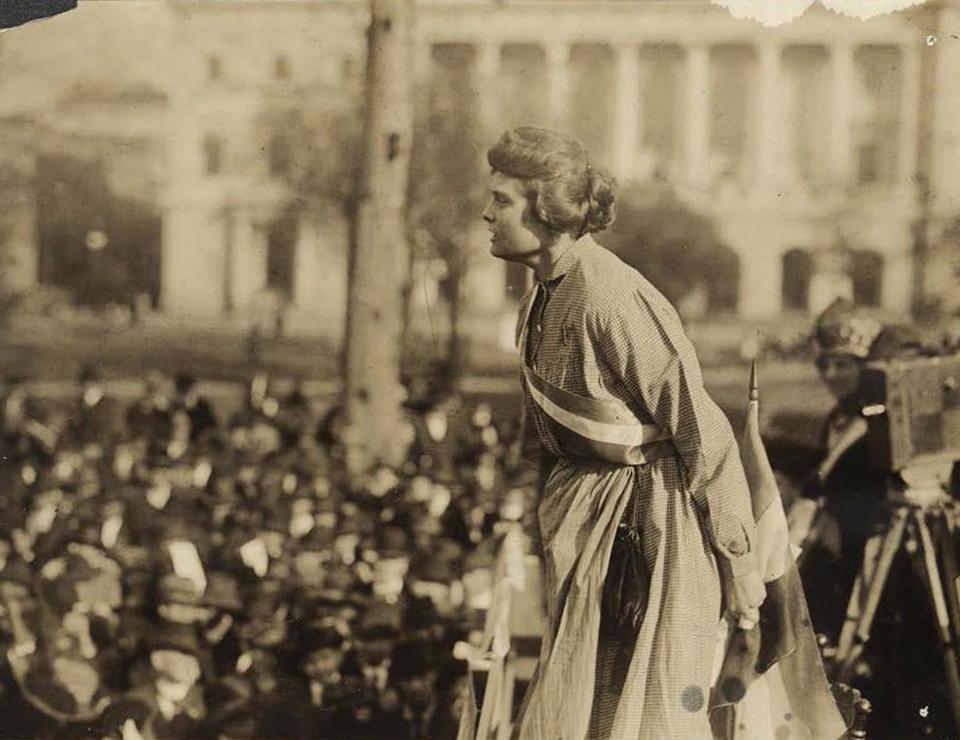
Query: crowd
<point x="167" y="573"/>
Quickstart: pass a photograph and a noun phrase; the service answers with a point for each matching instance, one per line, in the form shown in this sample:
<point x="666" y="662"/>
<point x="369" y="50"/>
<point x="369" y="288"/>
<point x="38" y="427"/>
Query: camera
<point x="912" y="407"/>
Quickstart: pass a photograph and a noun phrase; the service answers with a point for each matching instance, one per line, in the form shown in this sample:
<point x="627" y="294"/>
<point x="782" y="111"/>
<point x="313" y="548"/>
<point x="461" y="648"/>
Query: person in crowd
<point x="280" y="542"/>
<point x="200" y="411"/>
<point x="94" y="422"/>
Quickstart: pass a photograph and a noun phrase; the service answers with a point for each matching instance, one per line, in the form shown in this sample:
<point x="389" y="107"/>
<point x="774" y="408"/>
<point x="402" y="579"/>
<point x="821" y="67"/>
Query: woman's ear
<point x="534" y="219"/>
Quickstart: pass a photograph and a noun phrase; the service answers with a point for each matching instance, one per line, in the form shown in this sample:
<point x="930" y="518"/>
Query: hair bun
<point x="601" y="200"/>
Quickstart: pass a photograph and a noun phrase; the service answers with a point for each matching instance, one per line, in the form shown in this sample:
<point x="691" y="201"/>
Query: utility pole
<point x="378" y="247"/>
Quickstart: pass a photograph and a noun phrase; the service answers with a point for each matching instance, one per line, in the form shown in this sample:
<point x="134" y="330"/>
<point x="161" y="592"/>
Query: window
<point x="214" y="68"/>
<point x="281" y="254"/>
<point x="281" y="68"/>
<point x="213" y="154"/>
<point x="795" y="288"/>
<point x="279" y="154"/>
<point x="867" y="274"/>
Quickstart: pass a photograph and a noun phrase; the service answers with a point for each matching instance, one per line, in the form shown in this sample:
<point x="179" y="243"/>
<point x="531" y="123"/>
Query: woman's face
<point x="513" y="233"/>
<point x="840" y="373"/>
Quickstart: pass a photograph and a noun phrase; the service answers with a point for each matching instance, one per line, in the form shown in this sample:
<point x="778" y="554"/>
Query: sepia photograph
<point x="480" y="370"/>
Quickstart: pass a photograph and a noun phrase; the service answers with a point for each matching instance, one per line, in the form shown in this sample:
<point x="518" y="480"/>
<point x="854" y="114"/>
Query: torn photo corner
<point x="772" y="13"/>
<point x="15" y="13"/>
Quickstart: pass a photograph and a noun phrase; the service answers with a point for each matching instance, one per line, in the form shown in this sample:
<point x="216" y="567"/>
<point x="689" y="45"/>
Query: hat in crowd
<point x="136" y="588"/>
<point x="321" y="634"/>
<point x="179" y="601"/>
<point x="222" y="592"/>
<point x="411" y="659"/>
<point x="82" y="574"/>
<point x="17" y="572"/>
<point x="176" y="637"/>
<point x="88" y="374"/>
<point x="381" y="621"/>
<point x="842" y="328"/>
<point x="241" y="726"/>
<point x="393" y="542"/>
<point x="183" y="382"/>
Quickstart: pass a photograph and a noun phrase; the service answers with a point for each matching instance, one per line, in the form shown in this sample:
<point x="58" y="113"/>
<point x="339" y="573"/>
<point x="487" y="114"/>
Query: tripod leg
<point x="856" y="631"/>
<point x="868" y="567"/>
<point x="947" y="557"/>
<point x="939" y="605"/>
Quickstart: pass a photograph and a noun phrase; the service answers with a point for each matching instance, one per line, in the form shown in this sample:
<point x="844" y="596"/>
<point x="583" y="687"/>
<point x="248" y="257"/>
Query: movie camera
<point x="912" y="408"/>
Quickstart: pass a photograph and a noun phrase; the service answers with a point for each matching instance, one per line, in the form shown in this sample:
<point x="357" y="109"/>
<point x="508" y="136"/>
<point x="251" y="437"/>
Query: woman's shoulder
<point x="614" y="287"/>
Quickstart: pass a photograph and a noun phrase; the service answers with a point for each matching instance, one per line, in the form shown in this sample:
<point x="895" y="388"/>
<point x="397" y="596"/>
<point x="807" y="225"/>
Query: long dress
<point x="615" y="391"/>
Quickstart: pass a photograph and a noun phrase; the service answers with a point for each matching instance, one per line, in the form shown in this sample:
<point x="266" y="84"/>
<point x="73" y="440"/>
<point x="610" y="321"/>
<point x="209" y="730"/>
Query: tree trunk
<point x="378" y="247"/>
<point x="455" y="340"/>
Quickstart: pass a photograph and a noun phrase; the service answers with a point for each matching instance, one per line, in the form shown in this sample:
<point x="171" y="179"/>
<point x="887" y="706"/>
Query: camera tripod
<point x="923" y="502"/>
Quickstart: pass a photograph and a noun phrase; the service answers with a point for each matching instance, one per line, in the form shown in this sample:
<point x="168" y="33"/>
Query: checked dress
<point x="614" y="389"/>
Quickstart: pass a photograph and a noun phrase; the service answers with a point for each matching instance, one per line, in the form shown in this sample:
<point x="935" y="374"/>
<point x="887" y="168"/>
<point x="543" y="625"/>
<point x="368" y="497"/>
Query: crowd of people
<point x="168" y="573"/>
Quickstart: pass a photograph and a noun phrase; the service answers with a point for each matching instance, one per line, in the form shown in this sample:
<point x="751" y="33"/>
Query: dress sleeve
<point x="643" y="343"/>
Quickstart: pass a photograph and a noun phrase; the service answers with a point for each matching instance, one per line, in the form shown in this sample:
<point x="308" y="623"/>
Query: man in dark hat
<point x="199" y="410"/>
<point x="277" y="702"/>
<point x="94" y="422"/>
<point x="413" y="673"/>
<point x="57" y="659"/>
<point x="25" y="434"/>
<point x="150" y="418"/>
<point x="172" y="705"/>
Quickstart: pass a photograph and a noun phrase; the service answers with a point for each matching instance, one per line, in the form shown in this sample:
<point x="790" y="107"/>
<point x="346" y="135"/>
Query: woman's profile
<point x="614" y="389"/>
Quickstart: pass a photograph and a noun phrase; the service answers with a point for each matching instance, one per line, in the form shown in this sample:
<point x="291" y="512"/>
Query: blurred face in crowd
<point x="323" y="663"/>
<point x="515" y="235"/>
<point x="840" y="373"/>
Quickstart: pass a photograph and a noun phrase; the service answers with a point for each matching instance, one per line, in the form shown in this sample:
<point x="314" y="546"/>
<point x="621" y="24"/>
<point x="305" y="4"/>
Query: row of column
<point x="770" y="106"/>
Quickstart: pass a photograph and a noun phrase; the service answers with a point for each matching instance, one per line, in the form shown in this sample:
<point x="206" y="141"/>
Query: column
<point x="761" y="277"/>
<point x="909" y="129"/>
<point x="19" y="245"/>
<point x="422" y="66"/>
<point x="769" y="108"/>
<point x="897" y="282"/>
<point x="249" y="258"/>
<point x="486" y="74"/>
<point x="192" y="256"/>
<point x="626" y="125"/>
<point x="558" y="82"/>
<point x="842" y="100"/>
<point x="320" y="273"/>
<point x="697" y="127"/>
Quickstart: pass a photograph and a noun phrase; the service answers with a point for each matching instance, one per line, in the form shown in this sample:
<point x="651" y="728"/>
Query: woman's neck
<point x="549" y="255"/>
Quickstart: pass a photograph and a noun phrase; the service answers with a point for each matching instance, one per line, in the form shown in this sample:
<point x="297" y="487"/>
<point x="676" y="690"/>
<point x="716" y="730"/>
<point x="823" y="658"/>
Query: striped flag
<point x="772" y="679"/>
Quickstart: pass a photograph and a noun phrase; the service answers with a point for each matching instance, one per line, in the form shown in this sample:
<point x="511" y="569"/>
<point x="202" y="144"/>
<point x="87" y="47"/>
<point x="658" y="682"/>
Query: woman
<point x="845" y="493"/>
<point x="847" y="500"/>
<point x="614" y="389"/>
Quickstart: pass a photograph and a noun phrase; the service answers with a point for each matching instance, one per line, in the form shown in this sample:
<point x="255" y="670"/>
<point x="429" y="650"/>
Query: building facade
<point x="824" y="150"/>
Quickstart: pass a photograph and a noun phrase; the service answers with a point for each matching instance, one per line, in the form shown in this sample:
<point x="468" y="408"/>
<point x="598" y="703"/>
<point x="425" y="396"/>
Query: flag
<point x="772" y="677"/>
